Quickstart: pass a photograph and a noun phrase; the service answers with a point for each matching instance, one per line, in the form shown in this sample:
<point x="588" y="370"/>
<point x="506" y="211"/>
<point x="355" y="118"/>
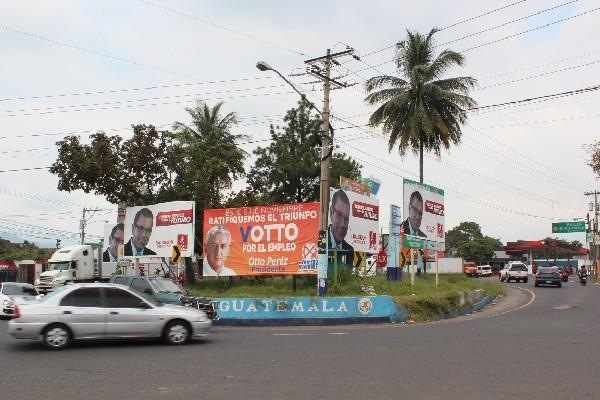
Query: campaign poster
<point x="112" y="248"/>
<point x="424" y="212"/>
<point x="353" y="186"/>
<point x="263" y="240"/>
<point x="353" y="222"/>
<point x="153" y="230"/>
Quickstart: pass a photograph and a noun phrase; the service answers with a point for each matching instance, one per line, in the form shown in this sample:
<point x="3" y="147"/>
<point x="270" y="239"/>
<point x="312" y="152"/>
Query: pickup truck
<point x="166" y="291"/>
<point x="516" y="271"/>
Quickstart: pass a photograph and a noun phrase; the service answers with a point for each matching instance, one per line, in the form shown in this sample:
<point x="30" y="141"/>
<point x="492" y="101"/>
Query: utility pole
<point x="84" y="221"/>
<point x="594" y="230"/>
<point x="320" y="68"/>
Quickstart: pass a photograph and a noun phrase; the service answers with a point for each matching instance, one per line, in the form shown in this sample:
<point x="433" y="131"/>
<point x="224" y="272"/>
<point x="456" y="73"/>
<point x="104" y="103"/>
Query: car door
<point x="129" y="315"/>
<point x="82" y="311"/>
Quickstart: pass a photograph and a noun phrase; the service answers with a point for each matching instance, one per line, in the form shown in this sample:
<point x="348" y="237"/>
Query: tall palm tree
<point x="419" y="110"/>
<point x="212" y="148"/>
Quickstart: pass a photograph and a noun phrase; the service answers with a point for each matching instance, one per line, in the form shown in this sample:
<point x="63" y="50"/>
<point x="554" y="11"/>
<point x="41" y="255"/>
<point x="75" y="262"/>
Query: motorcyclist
<point x="582" y="272"/>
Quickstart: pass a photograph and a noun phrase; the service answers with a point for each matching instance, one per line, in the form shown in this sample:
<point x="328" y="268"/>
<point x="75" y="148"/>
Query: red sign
<point x="182" y="240"/>
<point x="434" y="208"/>
<point x="165" y="218"/>
<point x="365" y="211"/>
<point x="381" y="259"/>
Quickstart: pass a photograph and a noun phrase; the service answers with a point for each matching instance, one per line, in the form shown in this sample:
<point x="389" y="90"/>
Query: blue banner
<point x="307" y="307"/>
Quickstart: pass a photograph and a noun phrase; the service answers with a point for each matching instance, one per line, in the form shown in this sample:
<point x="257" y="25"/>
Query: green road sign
<point x="413" y="242"/>
<point x="568" y="227"/>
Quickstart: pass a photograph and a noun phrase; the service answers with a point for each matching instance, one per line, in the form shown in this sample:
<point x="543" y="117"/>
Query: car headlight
<point x="8" y="303"/>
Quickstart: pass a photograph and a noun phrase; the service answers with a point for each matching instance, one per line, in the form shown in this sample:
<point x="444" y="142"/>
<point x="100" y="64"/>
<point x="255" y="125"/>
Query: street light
<point x="326" y="152"/>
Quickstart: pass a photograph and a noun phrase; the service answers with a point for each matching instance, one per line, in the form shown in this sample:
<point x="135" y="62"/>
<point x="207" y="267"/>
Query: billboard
<point x="262" y="240"/>
<point x="424" y="208"/>
<point x="353" y="186"/>
<point x="353" y="222"/>
<point x="153" y="230"/>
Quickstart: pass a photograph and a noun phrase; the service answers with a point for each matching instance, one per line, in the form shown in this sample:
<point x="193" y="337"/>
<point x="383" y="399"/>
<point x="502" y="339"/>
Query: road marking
<point x="520" y="307"/>
<point x="292" y="334"/>
<point x="337" y="333"/>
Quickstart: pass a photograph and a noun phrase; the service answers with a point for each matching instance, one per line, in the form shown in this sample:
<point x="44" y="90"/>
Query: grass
<point x="424" y="300"/>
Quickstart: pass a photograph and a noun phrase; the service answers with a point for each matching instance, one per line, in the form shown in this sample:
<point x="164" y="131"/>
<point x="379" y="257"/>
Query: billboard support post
<point x="436" y="269"/>
<point x="412" y="267"/>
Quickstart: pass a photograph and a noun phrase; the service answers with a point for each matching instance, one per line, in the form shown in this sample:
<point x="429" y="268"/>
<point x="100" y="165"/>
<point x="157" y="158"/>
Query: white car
<point x="12" y="293"/>
<point x="484" y="270"/>
<point x="104" y="311"/>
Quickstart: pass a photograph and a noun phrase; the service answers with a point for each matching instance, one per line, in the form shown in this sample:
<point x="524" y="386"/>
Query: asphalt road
<point x="538" y="343"/>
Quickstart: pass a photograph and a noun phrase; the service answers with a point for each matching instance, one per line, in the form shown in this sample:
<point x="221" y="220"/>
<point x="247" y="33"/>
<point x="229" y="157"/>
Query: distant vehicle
<point x="564" y="275"/>
<point x="71" y="264"/>
<point x="469" y="268"/>
<point x="164" y="290"/>
<point x="484" y="270"/>
<point x="516" y="271"/>
<point x="548" y="276"/>
<point x="12" y="293"/>
<point x="104" y="311"/>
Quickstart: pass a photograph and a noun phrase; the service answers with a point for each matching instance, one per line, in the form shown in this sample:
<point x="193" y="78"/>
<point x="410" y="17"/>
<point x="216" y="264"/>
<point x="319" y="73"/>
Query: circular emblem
<point x="365" y="305"/>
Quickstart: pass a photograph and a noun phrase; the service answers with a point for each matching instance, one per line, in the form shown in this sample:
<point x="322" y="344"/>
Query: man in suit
<point x="339" y="215"/>
<point x="141" y="231"/>
<point x="111" y="254"/>
<point x="415" y="215"/>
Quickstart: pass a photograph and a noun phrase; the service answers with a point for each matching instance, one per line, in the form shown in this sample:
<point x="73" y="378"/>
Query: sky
<point x="78" y="67"/>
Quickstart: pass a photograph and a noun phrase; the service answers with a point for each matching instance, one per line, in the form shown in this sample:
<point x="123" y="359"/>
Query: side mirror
<point x="148" y="291"/>
<point x="143" y="305"/>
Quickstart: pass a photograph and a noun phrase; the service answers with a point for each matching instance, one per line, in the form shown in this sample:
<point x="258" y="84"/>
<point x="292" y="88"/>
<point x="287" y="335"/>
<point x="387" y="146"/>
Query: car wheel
<point x="56" y="336"/>
<point x="525" y="280"/>
<point x="559" y="285"/>
<point x="177" y="332"/>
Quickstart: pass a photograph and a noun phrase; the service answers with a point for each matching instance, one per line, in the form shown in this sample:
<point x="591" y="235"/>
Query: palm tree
<point x="421" y="111"/>
<point x="212" y="148"/>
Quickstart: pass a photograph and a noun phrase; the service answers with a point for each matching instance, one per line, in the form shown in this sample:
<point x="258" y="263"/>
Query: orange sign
<point x="263" y="240"/>
<point x="354" y="186"/>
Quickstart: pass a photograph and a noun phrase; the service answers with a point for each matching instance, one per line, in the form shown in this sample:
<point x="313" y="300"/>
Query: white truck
<point x="516" y="271"/>
<point x="80" y="263"/>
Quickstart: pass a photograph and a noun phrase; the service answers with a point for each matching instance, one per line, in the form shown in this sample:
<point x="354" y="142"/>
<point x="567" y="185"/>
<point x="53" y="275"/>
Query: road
<point x="537" y="343"/>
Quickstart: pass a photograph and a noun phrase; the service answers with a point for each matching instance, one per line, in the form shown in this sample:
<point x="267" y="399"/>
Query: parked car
<point x="104" y="311"/>
<point x="548" y="276"/>
<point x="12" y="293"/>
<point x="165" y="290"/>
<point x="516" y="271"/>
<point x="484" y="270"/>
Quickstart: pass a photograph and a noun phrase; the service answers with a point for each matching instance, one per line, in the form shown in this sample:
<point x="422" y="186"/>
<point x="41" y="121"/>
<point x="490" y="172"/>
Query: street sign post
<point x="568" y="227"/>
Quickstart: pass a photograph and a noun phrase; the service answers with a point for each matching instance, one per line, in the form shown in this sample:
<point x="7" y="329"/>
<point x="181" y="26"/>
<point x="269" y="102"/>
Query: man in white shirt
<point x="217" y="245"/>
<point x="339" y="214"/>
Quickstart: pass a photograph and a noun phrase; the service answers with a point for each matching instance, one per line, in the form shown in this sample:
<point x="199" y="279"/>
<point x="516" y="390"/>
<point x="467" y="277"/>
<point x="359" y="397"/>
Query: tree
<point x="480" y="249"/>
<point x="421" y="112"/>
<point x="198" y="163"/>
<point x="465" y="231"/>
<point x="214" y="155"/>
<point x="288" y="170"/>
<point x="22" y="251"/>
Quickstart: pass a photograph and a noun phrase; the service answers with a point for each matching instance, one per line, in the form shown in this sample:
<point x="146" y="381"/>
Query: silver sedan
<point x="104" y="311"/>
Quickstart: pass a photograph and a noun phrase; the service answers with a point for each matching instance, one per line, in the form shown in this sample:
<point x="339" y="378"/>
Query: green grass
<point x="424" y="300"/>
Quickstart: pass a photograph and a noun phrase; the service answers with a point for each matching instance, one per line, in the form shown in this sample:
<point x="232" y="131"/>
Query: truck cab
<point x="68" y="264"/>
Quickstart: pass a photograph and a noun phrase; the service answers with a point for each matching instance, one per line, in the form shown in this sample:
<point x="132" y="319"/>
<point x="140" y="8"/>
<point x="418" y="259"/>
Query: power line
<point x="207" y="22"/>
<point x="483" y="15"/>
<point x="23" y="169"/>
<point x="508" y="23"/>
<point x="124" y="90"/>
<point x="93" y="52"/>
<point x="530" y="30"/>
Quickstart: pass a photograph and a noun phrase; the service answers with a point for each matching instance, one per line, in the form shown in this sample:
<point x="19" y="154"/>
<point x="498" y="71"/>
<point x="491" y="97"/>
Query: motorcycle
<point x="583" y="279"/>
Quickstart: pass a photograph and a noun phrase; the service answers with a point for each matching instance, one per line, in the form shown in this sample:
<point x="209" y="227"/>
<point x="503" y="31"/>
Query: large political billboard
<point x="424" y="211"/>
<point x="113" y="242"/>
<point x="353" y="222"/>
<point x="263" y="240"/>
<point x="153" y="230"/>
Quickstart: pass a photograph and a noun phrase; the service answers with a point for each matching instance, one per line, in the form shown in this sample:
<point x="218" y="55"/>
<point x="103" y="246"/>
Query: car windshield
<point x="518" y="267"/>
<point x="166" y="285"/>
<point x="18" y="290"/>
<point x="57" y="266"/>
<point x="548" y="271"/>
